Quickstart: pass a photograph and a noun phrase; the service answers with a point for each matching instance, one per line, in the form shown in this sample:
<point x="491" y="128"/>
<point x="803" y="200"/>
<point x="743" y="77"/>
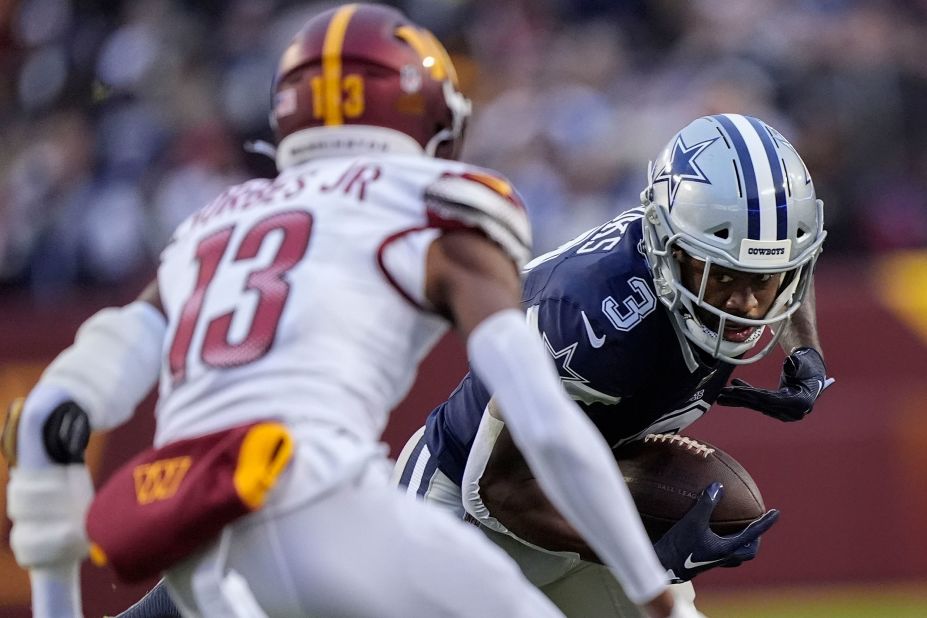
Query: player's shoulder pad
<point x="484" y="200"/>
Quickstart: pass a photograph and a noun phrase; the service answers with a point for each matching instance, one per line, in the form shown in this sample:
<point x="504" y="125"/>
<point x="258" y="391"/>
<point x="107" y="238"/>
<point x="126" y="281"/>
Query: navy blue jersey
<point x="612" y="341"/>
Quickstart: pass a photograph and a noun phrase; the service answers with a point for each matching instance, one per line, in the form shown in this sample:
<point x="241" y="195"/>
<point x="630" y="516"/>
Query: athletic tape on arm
<point x="567" y="454"/>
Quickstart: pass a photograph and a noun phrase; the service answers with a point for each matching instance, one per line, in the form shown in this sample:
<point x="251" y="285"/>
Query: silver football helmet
<point x="731" y="191"/>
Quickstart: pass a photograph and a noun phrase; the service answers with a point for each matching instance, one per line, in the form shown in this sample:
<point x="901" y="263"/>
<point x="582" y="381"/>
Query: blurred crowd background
<point x="119" y="118"/>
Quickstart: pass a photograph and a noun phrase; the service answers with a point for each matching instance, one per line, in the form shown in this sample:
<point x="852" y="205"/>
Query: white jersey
<point x="302" y="298"/>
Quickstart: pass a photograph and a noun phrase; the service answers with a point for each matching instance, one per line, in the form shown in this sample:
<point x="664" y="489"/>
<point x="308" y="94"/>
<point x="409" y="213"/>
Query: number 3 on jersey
<point x="268" y="282"/>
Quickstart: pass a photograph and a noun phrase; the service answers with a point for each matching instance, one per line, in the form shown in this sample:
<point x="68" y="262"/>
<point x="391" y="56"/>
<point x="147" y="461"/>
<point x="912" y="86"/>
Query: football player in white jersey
<point x="287" y="320"/>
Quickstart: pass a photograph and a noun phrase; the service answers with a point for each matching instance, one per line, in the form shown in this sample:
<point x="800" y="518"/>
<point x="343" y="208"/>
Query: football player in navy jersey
<point x="646" y="317"/>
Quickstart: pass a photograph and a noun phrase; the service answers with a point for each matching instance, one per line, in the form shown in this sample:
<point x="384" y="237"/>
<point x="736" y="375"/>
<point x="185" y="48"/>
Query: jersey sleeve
<point x="478" y="199"/>
<point x="402" y="260"/>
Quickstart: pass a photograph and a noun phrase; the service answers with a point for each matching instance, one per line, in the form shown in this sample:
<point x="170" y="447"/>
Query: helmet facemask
<point x="706" y="219"/>
<point x="448" y="141"/>
<point x="686" y="305"/>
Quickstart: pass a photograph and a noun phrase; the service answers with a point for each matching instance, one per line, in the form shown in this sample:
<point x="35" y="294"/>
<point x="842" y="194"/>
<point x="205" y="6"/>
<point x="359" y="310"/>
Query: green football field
<point x="909" y="601"/>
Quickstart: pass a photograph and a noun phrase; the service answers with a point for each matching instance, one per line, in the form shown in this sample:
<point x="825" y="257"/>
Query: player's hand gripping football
<point x="804" y="378"/>
<point x="690" y="547"/>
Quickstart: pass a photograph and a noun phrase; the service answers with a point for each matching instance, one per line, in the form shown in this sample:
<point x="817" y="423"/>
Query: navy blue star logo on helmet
<point x="682" y="166"/>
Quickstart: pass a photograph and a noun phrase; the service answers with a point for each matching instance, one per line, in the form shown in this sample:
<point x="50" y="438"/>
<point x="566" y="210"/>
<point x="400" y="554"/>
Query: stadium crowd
<point x="119" y="118"/>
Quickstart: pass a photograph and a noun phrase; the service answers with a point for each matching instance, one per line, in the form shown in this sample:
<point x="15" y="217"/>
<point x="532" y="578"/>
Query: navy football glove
<point x="804" y="378"/>
<point x="690" y="547"/>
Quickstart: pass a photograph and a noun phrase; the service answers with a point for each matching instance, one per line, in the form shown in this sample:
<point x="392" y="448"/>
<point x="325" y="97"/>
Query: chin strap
<point x="685" y="347"/>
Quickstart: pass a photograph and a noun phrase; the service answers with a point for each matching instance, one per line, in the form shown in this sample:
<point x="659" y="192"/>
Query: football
<point x="666" y="473"/>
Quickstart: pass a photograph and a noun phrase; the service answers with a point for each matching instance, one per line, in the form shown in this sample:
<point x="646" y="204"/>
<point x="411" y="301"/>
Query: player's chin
<point x="733" y="332"/>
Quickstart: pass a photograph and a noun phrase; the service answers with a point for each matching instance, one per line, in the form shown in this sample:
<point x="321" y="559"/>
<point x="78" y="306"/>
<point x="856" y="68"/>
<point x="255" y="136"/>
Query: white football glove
<point x="47" y="507"/>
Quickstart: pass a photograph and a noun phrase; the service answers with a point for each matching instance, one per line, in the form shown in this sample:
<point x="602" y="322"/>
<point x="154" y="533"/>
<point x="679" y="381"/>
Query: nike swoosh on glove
<point x="690" y="547"/>
<point x="804" y="378"/>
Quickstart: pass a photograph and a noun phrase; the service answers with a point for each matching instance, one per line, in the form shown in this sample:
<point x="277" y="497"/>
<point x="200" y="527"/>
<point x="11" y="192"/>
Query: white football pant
<point x="360" y="550"/>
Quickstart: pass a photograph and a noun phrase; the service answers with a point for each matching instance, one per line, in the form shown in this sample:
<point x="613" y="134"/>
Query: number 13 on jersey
<point x="267" y="282"/>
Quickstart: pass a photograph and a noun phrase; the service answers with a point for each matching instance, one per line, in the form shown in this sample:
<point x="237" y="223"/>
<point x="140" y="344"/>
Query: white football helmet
<point x="731" y="191"/>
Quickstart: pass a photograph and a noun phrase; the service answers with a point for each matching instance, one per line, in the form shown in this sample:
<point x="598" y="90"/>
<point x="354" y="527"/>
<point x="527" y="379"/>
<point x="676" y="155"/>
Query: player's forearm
<point x="509" y="492"/>
<point x="109" y="369"/>
<point x="582" y="481"/>
<point x="525" y="511"/>
<point x="801" y="329"/>
<point x="569" y="457"/>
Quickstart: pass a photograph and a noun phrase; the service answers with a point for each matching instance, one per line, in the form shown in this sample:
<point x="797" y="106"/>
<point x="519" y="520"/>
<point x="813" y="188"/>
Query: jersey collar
<point x="342" y="141"/>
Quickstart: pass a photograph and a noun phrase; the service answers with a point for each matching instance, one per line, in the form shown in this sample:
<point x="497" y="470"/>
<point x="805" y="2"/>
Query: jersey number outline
<point x="268" y="282"/>
<point x="638" y="305"/>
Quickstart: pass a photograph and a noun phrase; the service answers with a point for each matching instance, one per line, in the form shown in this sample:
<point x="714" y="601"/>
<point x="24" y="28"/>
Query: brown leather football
<point x="666" y="473"/>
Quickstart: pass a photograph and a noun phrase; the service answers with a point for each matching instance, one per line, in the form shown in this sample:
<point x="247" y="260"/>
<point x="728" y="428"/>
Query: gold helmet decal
<point x="329" y="89"/>
<point x="434" y="57"/>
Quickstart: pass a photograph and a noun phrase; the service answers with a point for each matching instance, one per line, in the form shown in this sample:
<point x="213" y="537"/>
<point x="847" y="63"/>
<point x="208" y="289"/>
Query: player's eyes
<point x="765" y="278"/>
<point x="723" y="278"/>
